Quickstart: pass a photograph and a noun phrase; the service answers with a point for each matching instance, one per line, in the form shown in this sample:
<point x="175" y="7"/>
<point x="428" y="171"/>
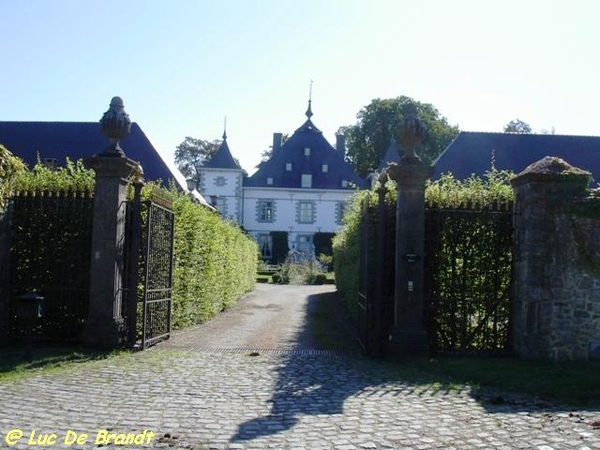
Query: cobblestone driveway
<point x="282" y="397"/>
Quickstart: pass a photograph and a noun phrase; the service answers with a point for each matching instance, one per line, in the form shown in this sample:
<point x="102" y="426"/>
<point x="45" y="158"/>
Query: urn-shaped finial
<point x="410" y="133"/>
<point x="115" y="124"/>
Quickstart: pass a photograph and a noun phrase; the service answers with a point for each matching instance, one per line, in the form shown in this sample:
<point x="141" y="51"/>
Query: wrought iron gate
<point x="150" y="270"/>
<point x="468" y="276"/>
<point x="376" y="279"/>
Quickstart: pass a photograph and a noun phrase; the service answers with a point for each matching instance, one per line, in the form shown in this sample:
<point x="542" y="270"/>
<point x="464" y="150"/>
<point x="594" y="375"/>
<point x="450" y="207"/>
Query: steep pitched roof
<point x="222" y="158"/>
<point x="391" y="156"/>
<point x="293" y="152"/>
<point x="78" y="140"/>
<point x="472" y="152"/>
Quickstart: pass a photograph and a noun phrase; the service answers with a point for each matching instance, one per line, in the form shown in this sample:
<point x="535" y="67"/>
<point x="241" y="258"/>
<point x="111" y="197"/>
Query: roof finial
<point x="309" y="112"/>
<point x="225" y="129"/>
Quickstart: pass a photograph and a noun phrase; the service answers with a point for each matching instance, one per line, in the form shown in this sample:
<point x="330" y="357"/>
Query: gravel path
<point x="271" y="317"/>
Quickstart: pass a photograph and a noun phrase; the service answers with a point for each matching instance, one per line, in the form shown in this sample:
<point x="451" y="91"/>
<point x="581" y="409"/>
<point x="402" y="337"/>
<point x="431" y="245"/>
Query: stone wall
<point x="556" y="311"/>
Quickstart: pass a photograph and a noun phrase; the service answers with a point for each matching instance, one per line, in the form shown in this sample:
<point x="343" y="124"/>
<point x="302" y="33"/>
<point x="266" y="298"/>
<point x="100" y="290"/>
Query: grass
<point x="565" y="382"/>
<point x="45" y="358"/>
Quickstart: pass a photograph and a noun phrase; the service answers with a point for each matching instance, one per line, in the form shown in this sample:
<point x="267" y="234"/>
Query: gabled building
<point x="53" y="142"/>
<point x="473" y="152"/>
<point x="300" y="192"/>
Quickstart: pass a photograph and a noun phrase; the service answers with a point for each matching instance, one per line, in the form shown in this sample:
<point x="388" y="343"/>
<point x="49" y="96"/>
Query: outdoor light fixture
<point x="29" y="308"/>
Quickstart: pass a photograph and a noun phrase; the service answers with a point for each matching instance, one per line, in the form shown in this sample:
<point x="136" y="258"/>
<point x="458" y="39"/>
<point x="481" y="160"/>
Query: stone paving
<point x="188" y="393"/>
<point x="228" y="399"/>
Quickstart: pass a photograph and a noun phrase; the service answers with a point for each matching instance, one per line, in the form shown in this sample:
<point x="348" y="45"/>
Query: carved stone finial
<point x="138" y="173"/>
<point x="410" y="133"/>
<point x="115" y="124"/>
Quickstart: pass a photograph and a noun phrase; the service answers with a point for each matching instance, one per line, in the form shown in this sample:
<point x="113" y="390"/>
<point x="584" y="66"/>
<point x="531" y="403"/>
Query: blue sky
<point x="182" y="65"/>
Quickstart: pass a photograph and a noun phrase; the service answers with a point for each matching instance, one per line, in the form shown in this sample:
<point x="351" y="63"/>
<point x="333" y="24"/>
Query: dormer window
<point x="269" y="181"/>
<point x="325" y="168"/>
<point x="288" y="166"/>
<point x="306" y="151"/>
<point x="344" y="183"/>
<point x="306" y="180"/>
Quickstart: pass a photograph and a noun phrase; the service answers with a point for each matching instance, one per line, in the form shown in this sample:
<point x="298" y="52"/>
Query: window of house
<point x="306" y="212"/>
<point x="306" y="180"/>
<point x="265" y="244"/>
<point x="269" y="181"/>
<point x="325" y="168"/>
<point x="306" y="151"/>
<point x="344" y="183"/>
<point x="220" y="181"/>
<point x="340" y="210"/>
<point x="266" y="211"/>
<point x="288" y="166"/>
<point x="221" y="204"/>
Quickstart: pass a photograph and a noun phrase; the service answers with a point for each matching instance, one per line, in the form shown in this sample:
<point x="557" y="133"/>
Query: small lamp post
<point x="191" y="184"/>
<point x="30" y="309"/>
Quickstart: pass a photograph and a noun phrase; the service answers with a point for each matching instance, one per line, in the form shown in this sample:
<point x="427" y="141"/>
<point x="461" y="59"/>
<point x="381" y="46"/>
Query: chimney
<point x="276" y="142"/>
<point x="340" y="144"/>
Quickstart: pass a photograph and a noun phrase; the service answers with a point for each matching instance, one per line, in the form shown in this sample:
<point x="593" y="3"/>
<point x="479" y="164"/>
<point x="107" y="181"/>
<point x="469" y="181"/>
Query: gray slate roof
<point x="472" y="152"/>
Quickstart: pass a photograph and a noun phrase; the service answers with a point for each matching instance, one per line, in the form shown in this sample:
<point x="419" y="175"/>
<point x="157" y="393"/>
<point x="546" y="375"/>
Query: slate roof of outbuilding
<point x="472" y="152"/>
<point x="392" y="155"/>
<point x="292" y="151"/>
<point x="79" y="140"/>
<point x="222" y="158"/>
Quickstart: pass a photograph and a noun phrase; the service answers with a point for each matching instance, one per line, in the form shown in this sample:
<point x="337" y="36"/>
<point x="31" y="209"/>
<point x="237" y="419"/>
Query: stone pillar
<point x="542" y="299"/>
<point x="105" y="325"/>
<point x="408" y="335"/>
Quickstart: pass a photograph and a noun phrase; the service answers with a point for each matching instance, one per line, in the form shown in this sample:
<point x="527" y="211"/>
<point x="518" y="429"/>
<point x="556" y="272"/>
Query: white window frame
<point x="266" y="211"/>
<point x="288" y="166"/>
<point x="306" y="212"/>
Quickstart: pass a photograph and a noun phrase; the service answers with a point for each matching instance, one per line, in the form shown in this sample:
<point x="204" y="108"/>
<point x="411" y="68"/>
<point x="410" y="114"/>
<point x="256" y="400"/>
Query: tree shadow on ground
<point x="326" y="368"/>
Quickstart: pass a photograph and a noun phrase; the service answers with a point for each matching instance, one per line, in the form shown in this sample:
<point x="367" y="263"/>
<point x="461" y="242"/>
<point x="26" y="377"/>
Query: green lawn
<point x="45" y="357"/>
<point x="566" y="382"/>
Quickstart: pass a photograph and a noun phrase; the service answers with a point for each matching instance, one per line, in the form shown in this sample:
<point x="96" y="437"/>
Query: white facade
<point x="223" y="188"/>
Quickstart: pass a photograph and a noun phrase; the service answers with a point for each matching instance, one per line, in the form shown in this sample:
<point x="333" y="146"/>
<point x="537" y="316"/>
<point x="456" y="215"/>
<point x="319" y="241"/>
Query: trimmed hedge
<point x="215" y="263"/>
<point x="447" y="192"/>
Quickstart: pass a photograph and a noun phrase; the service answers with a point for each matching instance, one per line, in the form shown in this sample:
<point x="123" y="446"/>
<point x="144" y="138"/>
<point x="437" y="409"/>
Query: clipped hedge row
<point x="447" y="192"/>
<point x="215" y="263"/>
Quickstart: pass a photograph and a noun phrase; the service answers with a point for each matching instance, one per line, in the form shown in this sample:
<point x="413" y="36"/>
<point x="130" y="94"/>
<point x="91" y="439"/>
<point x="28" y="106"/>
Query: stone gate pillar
<point x="105" y="326"/>
<point x="549" y="308"/>
<point x="408" y="335"/>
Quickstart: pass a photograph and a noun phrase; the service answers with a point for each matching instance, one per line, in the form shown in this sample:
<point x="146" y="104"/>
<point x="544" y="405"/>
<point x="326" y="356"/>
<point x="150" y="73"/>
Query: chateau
<point x="296" y="199"/>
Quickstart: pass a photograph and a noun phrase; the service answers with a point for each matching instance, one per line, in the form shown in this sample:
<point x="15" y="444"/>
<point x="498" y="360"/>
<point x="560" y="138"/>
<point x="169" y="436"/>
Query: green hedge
<point x="447" y="192"/>
<point x="215" y="263"/>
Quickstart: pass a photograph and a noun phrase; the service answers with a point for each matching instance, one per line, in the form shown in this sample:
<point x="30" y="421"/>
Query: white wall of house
<point x="300" y="212"/>
<point x="225" y="187"/>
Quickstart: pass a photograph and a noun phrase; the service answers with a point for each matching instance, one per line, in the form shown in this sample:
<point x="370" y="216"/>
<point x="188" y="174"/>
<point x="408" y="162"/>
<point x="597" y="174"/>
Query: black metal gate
<point x="376" y="279"/>
<point x="149" y="277"/>
<point x="468" y="276"/>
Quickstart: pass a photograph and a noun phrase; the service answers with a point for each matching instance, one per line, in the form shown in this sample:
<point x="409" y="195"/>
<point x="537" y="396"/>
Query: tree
<point x="192" y="154"/>
<point x="369" y="138"/>
<point x="517" y="126"/>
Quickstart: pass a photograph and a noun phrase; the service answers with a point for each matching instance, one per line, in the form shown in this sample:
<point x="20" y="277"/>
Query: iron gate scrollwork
<point x="150" y="271"/>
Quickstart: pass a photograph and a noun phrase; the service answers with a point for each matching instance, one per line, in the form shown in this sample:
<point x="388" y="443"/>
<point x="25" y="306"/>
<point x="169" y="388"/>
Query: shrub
<point x="10" y="168"/>
<point x="299" y="272"/>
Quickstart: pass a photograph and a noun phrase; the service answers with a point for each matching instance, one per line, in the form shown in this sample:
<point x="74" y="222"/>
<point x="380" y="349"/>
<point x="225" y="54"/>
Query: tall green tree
<point x="192" y="154"/>
<point x="369" y="138"/>
<point x="517" y="126"/>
